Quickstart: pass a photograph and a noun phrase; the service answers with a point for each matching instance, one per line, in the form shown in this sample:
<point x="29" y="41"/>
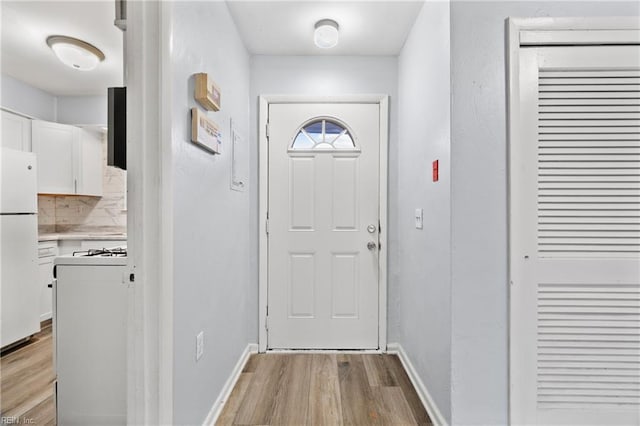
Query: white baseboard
<point x="216" y="409"/>
<point x="429" y="404"/>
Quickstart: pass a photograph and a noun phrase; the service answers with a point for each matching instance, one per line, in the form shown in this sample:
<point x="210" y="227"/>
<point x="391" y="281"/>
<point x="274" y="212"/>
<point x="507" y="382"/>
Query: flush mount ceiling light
<point x="75" y="53"/>
<point x="326" y="33"/>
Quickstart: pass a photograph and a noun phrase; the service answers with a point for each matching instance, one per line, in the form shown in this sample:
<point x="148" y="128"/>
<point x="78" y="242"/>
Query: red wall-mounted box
<point x="435" y="171"/>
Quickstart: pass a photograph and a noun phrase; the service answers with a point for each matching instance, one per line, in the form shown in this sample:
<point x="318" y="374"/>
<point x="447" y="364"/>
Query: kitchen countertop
<point x="81" y="236"/>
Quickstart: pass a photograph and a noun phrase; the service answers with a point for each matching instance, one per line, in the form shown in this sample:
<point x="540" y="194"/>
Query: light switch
<point x="418" y="218"/>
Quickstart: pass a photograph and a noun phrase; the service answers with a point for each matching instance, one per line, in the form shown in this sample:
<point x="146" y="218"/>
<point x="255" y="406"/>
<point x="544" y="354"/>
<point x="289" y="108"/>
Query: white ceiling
<point x="26" y="56"/>
<point x="267" y="27"/>
<point x="286" y="27"/>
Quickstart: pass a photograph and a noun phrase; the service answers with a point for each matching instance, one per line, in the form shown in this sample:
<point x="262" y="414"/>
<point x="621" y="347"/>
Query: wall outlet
<point x="418" y="218"/>
<point x="199" y="345"/>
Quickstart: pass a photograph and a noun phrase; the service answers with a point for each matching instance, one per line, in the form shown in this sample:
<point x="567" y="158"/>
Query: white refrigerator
<point x="19" y="290"/>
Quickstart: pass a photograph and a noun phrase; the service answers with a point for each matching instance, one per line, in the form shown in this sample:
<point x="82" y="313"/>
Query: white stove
<point x="104" y="256"/>
<point x="91" y="293"/>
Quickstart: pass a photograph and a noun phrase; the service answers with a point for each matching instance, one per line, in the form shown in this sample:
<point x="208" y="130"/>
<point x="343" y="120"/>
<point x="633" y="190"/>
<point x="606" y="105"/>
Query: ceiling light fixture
<point x="75" y="53"/>
<point x="326" y="33"/>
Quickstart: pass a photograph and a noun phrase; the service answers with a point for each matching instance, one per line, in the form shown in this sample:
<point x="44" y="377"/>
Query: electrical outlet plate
<point x="199" y="345"/>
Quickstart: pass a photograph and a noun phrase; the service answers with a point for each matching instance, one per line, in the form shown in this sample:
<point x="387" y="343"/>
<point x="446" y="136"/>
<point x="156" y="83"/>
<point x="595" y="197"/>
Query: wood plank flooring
<point x="26" y="381"/>
<point x="323" y="389"/>
<point x="273" y="389"/>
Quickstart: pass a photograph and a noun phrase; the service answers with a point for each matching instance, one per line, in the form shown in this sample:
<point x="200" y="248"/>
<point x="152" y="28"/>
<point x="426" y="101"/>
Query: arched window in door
<point x="323" y="134"/>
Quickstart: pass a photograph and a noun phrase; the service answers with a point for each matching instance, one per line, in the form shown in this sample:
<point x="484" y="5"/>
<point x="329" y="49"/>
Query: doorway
<point x="323" y="243"/>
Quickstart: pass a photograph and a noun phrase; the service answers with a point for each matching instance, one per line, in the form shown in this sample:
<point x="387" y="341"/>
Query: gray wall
<point x="210" y="221"/>
<point x="421" y="272"/>
<point x="320" y="75"/>
<point x="28" y="100"/>
<point x="479" y="382"/>
<point x="83" y="110"/>
<point x="25" y="99"/>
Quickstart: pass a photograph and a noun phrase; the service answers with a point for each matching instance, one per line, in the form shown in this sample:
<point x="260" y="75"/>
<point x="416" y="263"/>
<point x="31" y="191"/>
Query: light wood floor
<point x="323" y="389"/>
<point x="26" y="381"/>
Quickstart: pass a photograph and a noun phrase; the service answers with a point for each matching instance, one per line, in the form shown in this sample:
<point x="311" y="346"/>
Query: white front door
<point x="575" y="236"/>
<point x="323" y="226"/>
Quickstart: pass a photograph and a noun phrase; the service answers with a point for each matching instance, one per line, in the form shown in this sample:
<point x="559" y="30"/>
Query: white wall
<point x="210" y="222"/>
<point x="479" y="199"/>
<point x="319" y="75"/>
<point x="421" y="273"/>
<point x="25" y="99"/>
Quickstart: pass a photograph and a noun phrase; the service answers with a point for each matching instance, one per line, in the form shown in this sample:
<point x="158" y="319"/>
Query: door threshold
<point x="327" y="351"/>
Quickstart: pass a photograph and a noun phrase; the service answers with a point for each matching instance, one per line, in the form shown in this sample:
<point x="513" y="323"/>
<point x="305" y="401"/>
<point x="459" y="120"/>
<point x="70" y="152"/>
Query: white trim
<point x="150" y="326"/>
<point x="384" y="208"/>
<point x="263" y="203"/>
<point x="263" y="113"/>
<point x="218" y="405"/>
<point x="328" y="351"/>
<point x="570" y="24"/>
<point x="531" y="32"/>
<point x="429" y="404"/>
<point x="578" y="37"/>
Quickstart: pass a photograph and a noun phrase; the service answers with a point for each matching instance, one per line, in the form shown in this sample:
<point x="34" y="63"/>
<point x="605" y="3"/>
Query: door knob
<point x="371" y="245"/>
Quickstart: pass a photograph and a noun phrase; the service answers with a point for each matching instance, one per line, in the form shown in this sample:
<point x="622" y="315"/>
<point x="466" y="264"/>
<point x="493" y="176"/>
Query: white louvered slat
<point x="590" y="119"/>
<point x="589" y="95"/>
<point x="588" y="345"/>
<point x="601" y="75"/>
<point x="574" y="80"/>
<point x="589" y="102"/>
<point x="597" y="128"/>
<point x="589" y="163"/>
<point x="588" y="106"/>
<point x="561" y="137"/>
<point x="609" y="87"/>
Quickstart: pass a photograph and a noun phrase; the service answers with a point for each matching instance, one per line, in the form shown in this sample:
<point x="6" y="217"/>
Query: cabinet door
<point x="16" y="131"/>
<point x="92" y="165"/>
<point x="58" y="149"/>
<point x="45" y="272"/>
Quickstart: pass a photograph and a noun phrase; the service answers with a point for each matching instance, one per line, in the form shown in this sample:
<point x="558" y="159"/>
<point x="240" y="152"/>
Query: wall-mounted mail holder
<point x="205" y="132"/>
<point x="207" y="92"/>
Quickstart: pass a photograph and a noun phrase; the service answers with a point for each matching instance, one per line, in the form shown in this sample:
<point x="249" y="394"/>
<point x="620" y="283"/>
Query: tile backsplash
<point x="76" y="213"/>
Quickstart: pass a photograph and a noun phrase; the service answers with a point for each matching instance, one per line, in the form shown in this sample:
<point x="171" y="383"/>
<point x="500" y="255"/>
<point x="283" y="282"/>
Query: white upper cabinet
<point x="58" y="149"/>
<point x="92" y="163"/>
<point x="16" y="131"/>
<point x="69" y="159"/>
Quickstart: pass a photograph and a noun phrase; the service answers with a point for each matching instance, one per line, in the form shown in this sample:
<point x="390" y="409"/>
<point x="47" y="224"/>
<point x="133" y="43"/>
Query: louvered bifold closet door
<point x="583" y="243"/>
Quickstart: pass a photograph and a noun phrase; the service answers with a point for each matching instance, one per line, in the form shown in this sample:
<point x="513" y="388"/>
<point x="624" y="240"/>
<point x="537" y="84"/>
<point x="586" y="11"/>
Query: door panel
<point x="302" y="192"/>
<point x="322" y="277"/>
<point x="345" y="194"/>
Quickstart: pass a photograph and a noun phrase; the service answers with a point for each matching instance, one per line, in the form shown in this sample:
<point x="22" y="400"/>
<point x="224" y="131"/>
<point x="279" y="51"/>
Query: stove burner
<point x="118" y="251"/>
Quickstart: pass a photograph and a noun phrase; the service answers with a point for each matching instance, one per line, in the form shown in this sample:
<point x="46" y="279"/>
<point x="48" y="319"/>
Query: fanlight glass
<point x="323" y="134"/>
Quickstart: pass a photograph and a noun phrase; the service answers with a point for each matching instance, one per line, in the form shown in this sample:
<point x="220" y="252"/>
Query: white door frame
<point x="540" y="32"/>
<point x="147" y="59"/>
<point x="263" y="181"/>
